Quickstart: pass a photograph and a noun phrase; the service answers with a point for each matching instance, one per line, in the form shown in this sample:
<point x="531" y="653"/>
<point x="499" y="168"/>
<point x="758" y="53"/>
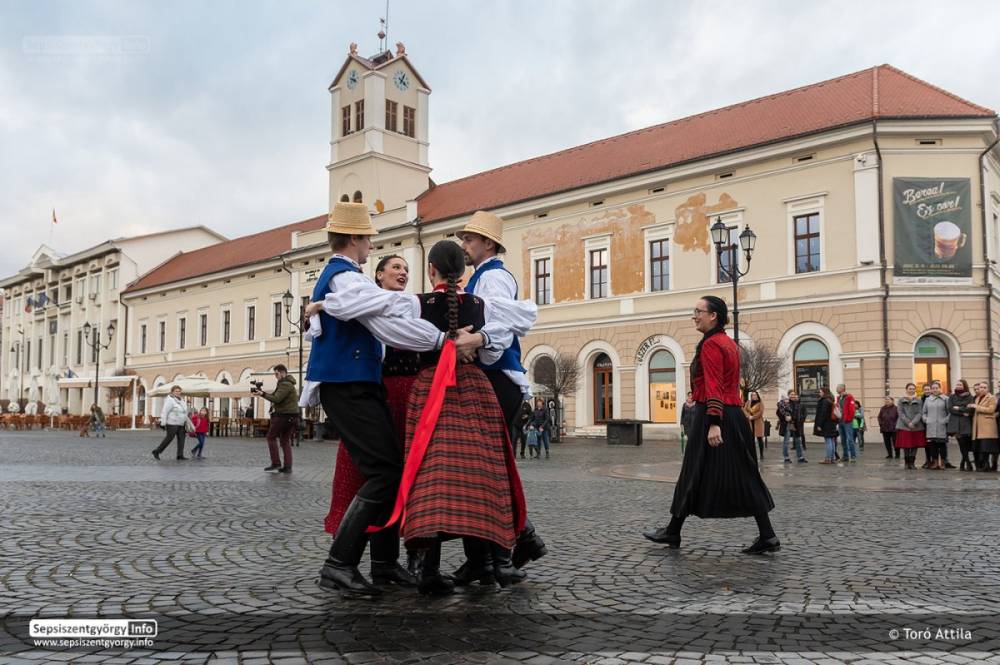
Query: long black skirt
<point x="722" y="481"/>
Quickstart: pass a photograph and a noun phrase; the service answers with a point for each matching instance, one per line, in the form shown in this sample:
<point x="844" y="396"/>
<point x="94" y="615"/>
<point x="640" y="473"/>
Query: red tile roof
<point x="882" y="92"/>
<point x="226" y="255"/>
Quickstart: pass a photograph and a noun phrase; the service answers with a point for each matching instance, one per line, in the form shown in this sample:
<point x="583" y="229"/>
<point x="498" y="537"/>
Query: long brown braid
<point x="449" y="260"/>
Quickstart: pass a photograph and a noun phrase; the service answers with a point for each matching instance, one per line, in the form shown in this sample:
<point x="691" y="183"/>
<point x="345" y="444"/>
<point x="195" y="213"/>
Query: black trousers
<point x="889" y="441"/>
<point x="508" y="395"/>
<point x="360" y="413"/>
<point x="173" y="431"/>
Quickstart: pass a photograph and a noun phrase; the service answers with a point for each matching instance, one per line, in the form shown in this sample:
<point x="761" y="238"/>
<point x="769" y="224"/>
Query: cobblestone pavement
<point x="226" y="558"/>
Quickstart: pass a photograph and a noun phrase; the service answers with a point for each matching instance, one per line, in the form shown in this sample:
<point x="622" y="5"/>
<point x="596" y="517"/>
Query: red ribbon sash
<point x="444" y="378"/>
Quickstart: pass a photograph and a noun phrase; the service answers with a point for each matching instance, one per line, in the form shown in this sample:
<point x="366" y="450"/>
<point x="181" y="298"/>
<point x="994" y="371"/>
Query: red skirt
<point x="467" y="484"/>
<point x="347" y="480"/>
<point x="907" y="439"/>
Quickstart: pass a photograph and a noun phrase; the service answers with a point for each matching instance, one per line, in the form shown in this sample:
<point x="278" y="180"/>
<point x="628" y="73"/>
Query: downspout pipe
<point x="423" y="253"/>
<point x="986" y="252"/>
<point x="883" y="267"/>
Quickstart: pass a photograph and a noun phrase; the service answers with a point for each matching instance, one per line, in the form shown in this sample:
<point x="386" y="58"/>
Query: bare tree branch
<point x="761" y="367"/>
<point x="559" y="375"/>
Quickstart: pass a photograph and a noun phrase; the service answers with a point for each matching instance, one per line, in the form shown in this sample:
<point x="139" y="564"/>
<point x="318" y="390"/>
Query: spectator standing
<point x="888" y="416"/>
<point x="859" y="426"/>
<point x="97" y="421"/>
<point x="541" y="419"/>
<point x="520" y="428"/>
<point x="845" y="423"/>
<point x="910" y="426"/>
<point x="791" y="420"/>
<point x="174" y="419"/>
<point x="984" y="429"/>
<point x="960" y="420"/>
<point x="753" y="409"/>
<point x="284" y="419"/>
<point x="925" y="392"/>
<point x="825" y="425"/>
<point x="200" y="422"/>
<point x="687" y="414"/>
<point x="935" y="415"/>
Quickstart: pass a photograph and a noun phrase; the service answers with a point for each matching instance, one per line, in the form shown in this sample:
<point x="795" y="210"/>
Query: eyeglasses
<point x="700" y="311"/>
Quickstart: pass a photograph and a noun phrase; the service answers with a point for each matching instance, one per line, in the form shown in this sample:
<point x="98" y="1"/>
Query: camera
<point x="256" y="387"/>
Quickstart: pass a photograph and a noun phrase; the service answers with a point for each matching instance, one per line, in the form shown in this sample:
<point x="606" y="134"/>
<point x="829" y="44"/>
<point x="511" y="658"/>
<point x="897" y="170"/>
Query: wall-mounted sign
<point x="647" y="345"/>
<point x="932" y="230"/>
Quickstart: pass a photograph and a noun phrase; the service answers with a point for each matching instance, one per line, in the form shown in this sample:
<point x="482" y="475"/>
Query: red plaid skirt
<point x="347" y="480"/>
<point x="468" y="483"/>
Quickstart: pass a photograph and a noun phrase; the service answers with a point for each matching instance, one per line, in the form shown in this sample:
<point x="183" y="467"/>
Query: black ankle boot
<point x="340" y="572"/>
<point x="385" y="559"/>
<point x="413" y="563"/>
<point x="663" y="536"/>
<point x="430" y="581"/>
<point x="475" y="567"/>
<point x="762" y="545"/>
<point x="503" y="567"/>
<point x="529" y="546"/>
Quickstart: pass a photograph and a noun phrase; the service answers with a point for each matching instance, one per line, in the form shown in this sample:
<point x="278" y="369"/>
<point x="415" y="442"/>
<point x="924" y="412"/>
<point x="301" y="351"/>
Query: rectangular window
<point x="95" y="283"/>
<point x="142" y="338"/>
<point x="543" y="281"/>
<point x="67" y="292"/>
<point x="65" y="349"/>
<point x="302" y="306"/>
<point x="52" y="350"/>
<point x="27" y="355"/>
<point x="359" y="115"/>
<point x="203" y="326"/>
<point x="112" y="280"/>
<point x="79" y="347"/>
<point x="807" y="243"/>
<point x="599" y="273"/>
<point x="277" y="319"/>
<point x="345" y="120"/>
<point x="659" y="265"/>
<point x="181" y="333"/>
<point x="38" y="356"/>
<point x="225" y="327"/>
<point x="251" y="322"/>
<point x="163" y="335"/>
<point x="728" y="257"/>
<point x="390" y="115"/>
<point x="409" y="121"/>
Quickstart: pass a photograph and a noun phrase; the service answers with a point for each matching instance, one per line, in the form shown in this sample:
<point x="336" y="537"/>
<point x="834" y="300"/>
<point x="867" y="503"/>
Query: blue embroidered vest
<point x="511" y="358"/>
<point x="345" y="352"/>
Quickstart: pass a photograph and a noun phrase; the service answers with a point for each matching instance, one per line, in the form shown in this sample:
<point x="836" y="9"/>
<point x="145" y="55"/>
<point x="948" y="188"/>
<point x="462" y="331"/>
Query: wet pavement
<point x="225" y="557"/>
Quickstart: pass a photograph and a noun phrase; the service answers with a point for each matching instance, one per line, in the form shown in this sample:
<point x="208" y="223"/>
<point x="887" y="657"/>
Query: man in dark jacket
<point x="284" y="419"/>
<point x="791" y="419"/>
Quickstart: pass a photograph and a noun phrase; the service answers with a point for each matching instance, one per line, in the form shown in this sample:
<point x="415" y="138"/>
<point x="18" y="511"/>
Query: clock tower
<point x="378" y="132"/>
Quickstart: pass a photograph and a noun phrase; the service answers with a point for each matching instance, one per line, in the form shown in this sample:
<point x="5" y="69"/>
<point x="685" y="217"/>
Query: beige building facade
<point x="612" y="240"/>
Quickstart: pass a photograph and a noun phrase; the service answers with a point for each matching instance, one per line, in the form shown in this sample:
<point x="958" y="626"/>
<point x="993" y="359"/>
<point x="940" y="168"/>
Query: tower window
<point x="357" y="197"/>
<point x="409" y="121"/>
<point x="345" y="198"/>
<point x="359" y="115"/>
<point x="390" y="115"/>
<point x="345" y="120"/>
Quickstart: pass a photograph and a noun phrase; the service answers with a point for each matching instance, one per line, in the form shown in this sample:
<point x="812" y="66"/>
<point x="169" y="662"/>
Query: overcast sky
<point x="129" y="116"/>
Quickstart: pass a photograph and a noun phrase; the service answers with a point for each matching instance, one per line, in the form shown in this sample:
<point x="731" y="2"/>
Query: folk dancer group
<point x="459" y="479"/>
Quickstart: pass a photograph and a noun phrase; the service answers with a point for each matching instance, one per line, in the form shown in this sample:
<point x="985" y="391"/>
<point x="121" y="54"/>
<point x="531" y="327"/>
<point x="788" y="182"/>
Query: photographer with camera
<point x="284" y="417"/>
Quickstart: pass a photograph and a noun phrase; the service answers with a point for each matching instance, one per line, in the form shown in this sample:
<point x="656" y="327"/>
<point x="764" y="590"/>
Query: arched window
<point x="224" y="402"/>
<point x="603" y="389"/>
<point x="357" y="197"/>
<point x="811" y="362"/>
<point x="544" y="371"/>
<point x="345" y="199"/>
<point x="663" y="387"/>
<point x="930" y="362"/>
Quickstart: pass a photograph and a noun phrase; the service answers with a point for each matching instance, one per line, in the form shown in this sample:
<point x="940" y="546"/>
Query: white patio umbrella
<point x="192" y="386"/>
<point x="52" y="405"/>
<point x="32" y="406"/>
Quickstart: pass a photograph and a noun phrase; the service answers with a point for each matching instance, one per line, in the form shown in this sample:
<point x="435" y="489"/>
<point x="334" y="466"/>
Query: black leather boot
<point x="503" y="567"/>
<point x="475" y="567"/>
<point x="385" y="559"/>
<point x="663" y="536"/>
<point x="430" y="581"/>
<point x="340" y="571"/>
<point x="529" y="546"/>
<point x="762" y="545"/>
<point x="413" y="562"/>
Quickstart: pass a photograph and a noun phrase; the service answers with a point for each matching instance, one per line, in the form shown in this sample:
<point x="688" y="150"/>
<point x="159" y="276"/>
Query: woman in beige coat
<point x="754" y="411"/>
<point x="984" y="429"/>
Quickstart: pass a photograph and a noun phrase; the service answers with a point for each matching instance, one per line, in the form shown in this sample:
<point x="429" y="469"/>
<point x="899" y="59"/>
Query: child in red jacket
<point x="200" y="422"/>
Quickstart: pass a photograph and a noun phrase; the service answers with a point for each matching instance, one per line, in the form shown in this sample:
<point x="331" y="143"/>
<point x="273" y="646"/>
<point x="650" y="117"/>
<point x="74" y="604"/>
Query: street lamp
<point x="17" y="350"/>
<point x="286" y="300"/>
<point x="748" y="242"/>
<point x="93" y="337"/>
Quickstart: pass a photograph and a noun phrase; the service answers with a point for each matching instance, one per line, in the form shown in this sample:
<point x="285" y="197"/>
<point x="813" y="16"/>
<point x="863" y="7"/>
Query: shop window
<point x="663" y="387"/>
<point x="811" y="362"/>
<point x="930" y="363"/>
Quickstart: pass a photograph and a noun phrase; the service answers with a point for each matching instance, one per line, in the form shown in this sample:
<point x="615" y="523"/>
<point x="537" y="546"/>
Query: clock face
<point x="352" y="79"/>
<point x="401" y="80"/>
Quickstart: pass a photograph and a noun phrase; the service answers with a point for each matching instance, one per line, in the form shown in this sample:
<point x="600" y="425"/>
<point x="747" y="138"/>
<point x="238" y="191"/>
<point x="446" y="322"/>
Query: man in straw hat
<point x="482" y="241"/>
<point x="346" y="359"/>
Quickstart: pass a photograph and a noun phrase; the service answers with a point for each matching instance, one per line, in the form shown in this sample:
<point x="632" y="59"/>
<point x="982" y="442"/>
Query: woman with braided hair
<point x="719" y="476"/>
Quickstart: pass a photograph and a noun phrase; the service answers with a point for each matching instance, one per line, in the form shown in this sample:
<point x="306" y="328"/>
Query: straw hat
<point x="487" y="225"/>
<point x="350" y="219"/>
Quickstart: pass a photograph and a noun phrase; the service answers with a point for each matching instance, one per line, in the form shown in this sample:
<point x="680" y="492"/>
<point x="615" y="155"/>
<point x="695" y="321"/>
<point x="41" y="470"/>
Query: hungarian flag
<point x="54" y="220"/>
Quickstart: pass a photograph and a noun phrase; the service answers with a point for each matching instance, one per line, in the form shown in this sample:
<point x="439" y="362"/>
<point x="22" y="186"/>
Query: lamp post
<point x="17" y="350"/>
<point x="93" y="336"/>
<point x="297" y="324"/>
<point x="748" y="240"/>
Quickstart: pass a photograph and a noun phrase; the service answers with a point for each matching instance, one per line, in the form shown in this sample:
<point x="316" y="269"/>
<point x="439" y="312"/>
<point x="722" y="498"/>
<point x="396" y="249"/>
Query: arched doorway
<point x="224" y="402"/>
<point x="603" y="389"/>
<point x="663" y="387"/>
<point x="544" y="372"/>
<point x="930" y="362"/>
<point x="811" y="362"/>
